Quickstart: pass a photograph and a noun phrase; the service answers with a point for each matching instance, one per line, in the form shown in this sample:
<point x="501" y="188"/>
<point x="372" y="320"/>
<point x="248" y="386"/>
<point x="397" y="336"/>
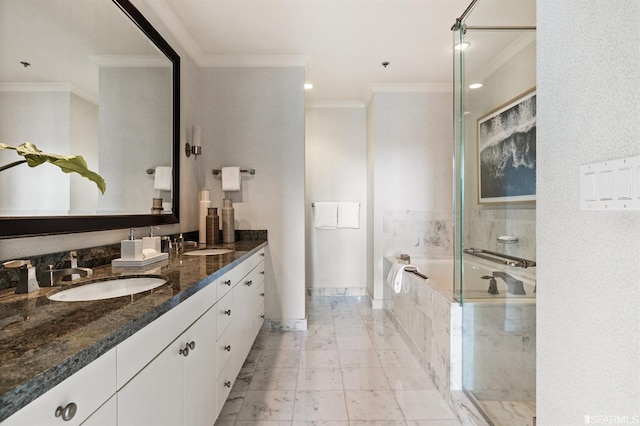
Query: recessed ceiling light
<point x="308" y="86"/>
<point x="461" y="46"/>
<point x="475" y="86"/>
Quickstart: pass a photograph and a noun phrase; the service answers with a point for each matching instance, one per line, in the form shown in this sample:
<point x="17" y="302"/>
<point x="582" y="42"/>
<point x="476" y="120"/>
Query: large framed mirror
<point x="90" y="78"/>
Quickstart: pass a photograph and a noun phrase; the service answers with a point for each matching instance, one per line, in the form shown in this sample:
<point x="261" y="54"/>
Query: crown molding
<point x="333" y="104"/>
<point x="411" y="87"/>
<point x="48" y="88"/>
<point x="130" y="61"/>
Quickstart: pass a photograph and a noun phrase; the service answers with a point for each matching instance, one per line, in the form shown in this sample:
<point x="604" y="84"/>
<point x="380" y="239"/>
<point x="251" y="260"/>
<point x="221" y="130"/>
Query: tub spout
<point x="514" y="285"/>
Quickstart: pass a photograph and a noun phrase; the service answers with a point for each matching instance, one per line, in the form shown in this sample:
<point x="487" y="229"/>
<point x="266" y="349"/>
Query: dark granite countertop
<point x="42" y="342"/>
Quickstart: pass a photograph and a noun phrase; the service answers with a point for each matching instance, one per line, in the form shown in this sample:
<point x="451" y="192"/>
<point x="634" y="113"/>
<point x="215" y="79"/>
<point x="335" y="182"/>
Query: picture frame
<point x="506" y="151"/>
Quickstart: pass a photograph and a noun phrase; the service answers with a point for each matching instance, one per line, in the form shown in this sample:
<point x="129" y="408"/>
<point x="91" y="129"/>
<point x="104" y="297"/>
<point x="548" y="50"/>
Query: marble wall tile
<point x="482" y="227"/>
<point x="417" y="233"/>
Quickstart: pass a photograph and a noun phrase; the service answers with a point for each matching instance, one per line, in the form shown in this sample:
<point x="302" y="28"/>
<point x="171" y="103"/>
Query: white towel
<point x="325" y="215"/>
<point x="162" y="178"/>
<point x="394" y="279"/>
<point x="231" y="178"/>
<point x="349" y="215"/>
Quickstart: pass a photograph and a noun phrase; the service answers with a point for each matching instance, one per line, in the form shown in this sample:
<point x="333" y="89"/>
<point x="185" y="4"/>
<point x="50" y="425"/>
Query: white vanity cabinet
<point x="178" y="386"/>
<point x="172" y="389"/>
<point x="177" y="370"/>
<point x="73" y="400"/>
<point x="105" y="415"/>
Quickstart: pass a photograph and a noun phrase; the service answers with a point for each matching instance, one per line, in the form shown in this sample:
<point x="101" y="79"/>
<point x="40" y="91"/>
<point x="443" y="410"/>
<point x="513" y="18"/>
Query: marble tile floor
<point x="349" y="368"/>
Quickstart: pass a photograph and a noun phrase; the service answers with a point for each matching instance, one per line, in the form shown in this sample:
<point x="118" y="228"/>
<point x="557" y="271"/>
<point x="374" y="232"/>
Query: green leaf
<point x="68" y="164"/>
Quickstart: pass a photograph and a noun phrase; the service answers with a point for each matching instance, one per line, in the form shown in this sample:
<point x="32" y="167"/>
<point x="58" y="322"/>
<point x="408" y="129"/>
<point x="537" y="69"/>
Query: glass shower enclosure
<point x="495" y="211"/>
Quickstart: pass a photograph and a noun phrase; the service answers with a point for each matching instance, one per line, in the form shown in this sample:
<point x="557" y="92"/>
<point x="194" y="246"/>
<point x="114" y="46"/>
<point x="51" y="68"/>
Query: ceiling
<point x="341" y="43"/>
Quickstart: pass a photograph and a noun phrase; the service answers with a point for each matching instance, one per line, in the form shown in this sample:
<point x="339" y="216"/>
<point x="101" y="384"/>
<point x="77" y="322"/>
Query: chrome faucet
<point x="27" y="282"/>
<point x="514" y="285"/>
<point x="53" y="276"/>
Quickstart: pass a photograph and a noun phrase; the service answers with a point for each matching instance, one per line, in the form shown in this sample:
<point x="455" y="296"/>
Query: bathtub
<point x="440" y="273"/>
<point x="487" y="342"/>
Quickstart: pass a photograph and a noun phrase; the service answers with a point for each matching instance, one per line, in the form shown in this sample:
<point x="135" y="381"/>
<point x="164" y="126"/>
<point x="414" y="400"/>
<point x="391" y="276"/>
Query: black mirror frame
<point x="32" y="226"/>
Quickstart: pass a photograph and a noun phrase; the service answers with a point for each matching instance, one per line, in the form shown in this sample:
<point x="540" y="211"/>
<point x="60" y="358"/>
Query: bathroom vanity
<point x="166" y="356"/>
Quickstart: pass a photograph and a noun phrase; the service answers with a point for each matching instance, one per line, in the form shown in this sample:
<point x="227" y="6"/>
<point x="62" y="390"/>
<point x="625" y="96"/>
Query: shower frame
<point x="459" y="29"/>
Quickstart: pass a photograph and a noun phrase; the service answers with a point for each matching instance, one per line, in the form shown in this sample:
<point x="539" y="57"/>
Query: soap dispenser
<point x="131" y="249"/>
<point x="152" y="242"/>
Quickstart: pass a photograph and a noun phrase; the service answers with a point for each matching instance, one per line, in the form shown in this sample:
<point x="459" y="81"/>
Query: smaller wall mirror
<point x="90" y="78"/>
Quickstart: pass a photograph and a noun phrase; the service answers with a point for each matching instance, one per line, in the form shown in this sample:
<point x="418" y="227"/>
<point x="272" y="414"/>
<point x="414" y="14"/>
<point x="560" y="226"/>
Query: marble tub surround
<point x="42" y="342"/>
<point x="419" y="233"/>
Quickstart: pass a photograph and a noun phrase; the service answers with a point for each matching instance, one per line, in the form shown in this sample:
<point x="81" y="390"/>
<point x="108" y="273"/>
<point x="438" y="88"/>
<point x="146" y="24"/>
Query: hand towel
<point x="349" y="215"/>
<point x="162" y="179"/>
<point x="231" y="178"/>
<point x="394" y="279"/>
<point x="325" y="215"/>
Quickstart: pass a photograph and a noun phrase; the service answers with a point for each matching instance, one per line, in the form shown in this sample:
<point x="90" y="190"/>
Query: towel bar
<point x="500" y="258"/>
<point x="216" y="172"/>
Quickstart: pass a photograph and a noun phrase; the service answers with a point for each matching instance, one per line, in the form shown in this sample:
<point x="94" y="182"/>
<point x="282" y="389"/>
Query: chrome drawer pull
<point x="227" y="348"/>
<point x="262" y="294"/>
<point x="249" y="283"/>
<point x="67" y="412"/>
<point x="227" y="282"/>
<point x="189" y="346"/>
<point x="227" y="312"/>
<point x="227" y="384"/>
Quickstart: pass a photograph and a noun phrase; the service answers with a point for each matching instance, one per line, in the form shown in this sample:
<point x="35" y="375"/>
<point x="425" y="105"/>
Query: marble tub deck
<point x="350" y="367"/>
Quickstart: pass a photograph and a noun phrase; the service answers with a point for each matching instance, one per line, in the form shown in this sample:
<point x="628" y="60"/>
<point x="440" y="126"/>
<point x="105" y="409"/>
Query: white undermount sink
<point x="108" y="289"/>
<point x="208" y="252"/>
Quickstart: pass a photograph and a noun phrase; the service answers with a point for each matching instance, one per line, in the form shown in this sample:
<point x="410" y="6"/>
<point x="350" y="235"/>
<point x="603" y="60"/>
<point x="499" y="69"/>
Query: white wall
<point x="135" y="110"/>
<point x="336" y="170"/>
<point x="42" y="118"/>
<point x="410" y="171"/>
<point x="84" y="141"/>
<point x="254" y="118"/>
<point x="588" y="292"/>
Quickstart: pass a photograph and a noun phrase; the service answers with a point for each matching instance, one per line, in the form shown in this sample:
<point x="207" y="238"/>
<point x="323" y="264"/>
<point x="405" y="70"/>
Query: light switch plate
<point x="611" y="185"/>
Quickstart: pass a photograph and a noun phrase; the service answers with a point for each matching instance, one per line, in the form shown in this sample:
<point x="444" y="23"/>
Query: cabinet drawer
<point x="225" y="347"/>
<point x="225" y="314"/>
<point x="89" y="388"/>
<point x="258" y="298"/>
<point x="224" y="284"/>
<point x="224" y="383"/>
<point x="255" y="277"/>
<point x="234" y="276"/>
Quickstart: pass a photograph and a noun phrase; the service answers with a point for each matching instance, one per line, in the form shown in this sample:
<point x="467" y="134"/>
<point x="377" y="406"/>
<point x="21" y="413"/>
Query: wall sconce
<point x="195" y="148"/>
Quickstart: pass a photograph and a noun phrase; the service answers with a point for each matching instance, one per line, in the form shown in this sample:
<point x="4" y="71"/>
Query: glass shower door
<point x="494" y="274"/>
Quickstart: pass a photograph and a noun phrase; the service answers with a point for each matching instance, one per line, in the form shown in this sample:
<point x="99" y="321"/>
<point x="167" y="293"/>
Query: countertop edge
<point x="24" y="394"/>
